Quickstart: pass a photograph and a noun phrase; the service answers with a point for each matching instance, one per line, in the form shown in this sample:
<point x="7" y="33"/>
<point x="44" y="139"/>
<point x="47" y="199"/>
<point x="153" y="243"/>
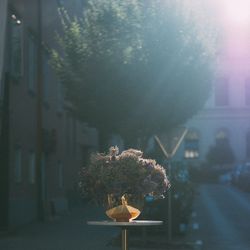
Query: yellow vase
<point x="123" y="212"/>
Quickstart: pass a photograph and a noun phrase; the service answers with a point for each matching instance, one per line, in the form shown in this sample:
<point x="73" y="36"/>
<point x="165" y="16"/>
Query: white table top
<point x="131" y="223"/>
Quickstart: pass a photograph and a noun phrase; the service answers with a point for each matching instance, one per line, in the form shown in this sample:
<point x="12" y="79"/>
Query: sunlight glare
<point x="235" y="12"/>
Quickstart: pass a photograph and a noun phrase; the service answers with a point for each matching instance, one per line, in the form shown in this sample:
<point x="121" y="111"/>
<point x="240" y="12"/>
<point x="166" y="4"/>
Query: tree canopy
<point x="220" y="153"/>
<point x="134" y="65"/>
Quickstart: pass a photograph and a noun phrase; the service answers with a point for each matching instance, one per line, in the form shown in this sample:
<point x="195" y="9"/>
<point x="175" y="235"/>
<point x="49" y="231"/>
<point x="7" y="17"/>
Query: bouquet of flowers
<point x="114" y="175"/>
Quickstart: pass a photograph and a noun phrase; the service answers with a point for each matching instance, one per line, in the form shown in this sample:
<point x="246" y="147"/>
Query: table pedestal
<point x="124" y="239"/>
<point x="124" y="227"/>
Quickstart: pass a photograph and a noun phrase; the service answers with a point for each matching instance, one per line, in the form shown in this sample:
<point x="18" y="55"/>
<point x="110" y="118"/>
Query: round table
<point x="124" y="226"/>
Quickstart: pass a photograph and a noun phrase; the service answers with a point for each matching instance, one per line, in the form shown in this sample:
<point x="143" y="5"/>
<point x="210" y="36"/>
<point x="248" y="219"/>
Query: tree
<point x="221" y="153"/>
<point x="135" y="66"/>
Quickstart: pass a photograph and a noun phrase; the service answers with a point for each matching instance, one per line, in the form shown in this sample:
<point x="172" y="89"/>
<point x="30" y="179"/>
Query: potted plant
<point x="115" y="178"/>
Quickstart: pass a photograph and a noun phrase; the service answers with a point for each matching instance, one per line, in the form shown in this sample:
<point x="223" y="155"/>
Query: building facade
<point x="32" y="129"/>
<point x="226" y="115"/>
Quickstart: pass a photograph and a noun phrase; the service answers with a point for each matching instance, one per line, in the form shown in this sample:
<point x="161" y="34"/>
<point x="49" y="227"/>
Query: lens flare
<point x="235" y="12"/>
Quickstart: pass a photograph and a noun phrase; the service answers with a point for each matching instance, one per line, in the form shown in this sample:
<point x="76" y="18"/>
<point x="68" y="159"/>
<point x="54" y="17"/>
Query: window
<point x="247" y="91"/>
<point x="15" y="47"/>
<point x="74" y="141"/>
<point x="60" y="3"/>
<point x="79" y="3"/>
<point x="46" y="75"/>
<point x="221" y="136"/>
<point x="85" y="154"/>
<point x="221" y="153"/>
<point x="248" y="144"/>
<point x="32" y="168"/>
<point x="222" y="92"/>
<point x="32" y="63"/>
<point x="59" y="97"/>
<point x="18" y="164"/>
<point x="67" y="132"/>
<point x="43" y="176"/>
<point x="70" y="134"/>
<point x="60" y="174"/>
<point x="191" y="145"/>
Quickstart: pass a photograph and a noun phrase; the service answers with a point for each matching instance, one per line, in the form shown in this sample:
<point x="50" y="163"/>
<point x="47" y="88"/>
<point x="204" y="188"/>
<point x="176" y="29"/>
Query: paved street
<point x="221" y="218"/>
<point x="220" y="222"/>
<point x="68" y="232"/>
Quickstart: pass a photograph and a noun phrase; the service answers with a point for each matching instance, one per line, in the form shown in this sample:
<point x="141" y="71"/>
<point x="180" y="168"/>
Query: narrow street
<point x="221" y="218"/>
<point x="63" y="233"/>
<point x="220" y="221"/>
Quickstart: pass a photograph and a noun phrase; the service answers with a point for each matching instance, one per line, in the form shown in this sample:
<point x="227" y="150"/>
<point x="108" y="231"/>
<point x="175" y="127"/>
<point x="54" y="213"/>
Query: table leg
<point x="124" y="239"/>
